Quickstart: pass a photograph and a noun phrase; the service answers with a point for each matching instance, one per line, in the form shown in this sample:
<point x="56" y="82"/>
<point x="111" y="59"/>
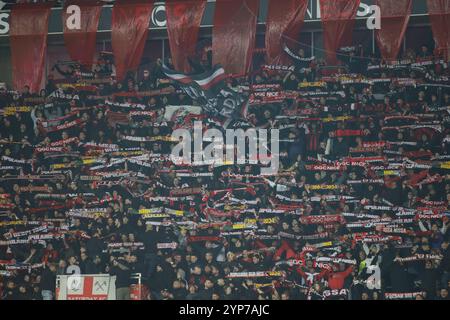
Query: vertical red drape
<point x="183" y="23"/>
<point x="130" y="23"/>
<point x="28" y="39"/>
<point x="338" y="21"/>
<point x="394" y="21"/>
<point x="234" y="31"/>
<point x="80" y="43"/>
<point x="439" y="11"/>
<point x="284" y="20"/>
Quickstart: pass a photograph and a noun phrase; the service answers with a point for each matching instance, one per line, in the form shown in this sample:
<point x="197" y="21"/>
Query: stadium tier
<point x="224" y="150"/>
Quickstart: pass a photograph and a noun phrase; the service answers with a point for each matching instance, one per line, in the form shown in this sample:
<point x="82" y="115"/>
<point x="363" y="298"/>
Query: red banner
<point x="130" y="23"/>
<point x="439" y="11"/>
<point x="284" y="21"/>
<point x="183" y="23"/>
<point x="234" y="33"/>
<point x="394" y="21"/>
<point x="28" y="39"/>
<point x="338" y="21"/>
<point x="80" y="43"/>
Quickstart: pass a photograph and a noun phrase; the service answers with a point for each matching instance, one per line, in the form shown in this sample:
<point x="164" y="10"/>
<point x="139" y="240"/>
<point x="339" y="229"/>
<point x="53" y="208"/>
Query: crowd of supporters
<point x="357" y="210"/>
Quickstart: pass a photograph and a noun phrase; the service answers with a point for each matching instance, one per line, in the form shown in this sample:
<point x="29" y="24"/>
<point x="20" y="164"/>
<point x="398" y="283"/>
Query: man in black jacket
<point x="428" y="278"/>
<point x="400" y="278"/>
<point x="444" y="266"/>
<point x="121" y="269"/>
<point x="87" y="266"/>
<point x="48" y="281"/>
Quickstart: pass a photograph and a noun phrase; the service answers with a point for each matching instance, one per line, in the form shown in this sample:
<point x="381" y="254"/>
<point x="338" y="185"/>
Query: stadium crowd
<point x="358" y="209"/>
